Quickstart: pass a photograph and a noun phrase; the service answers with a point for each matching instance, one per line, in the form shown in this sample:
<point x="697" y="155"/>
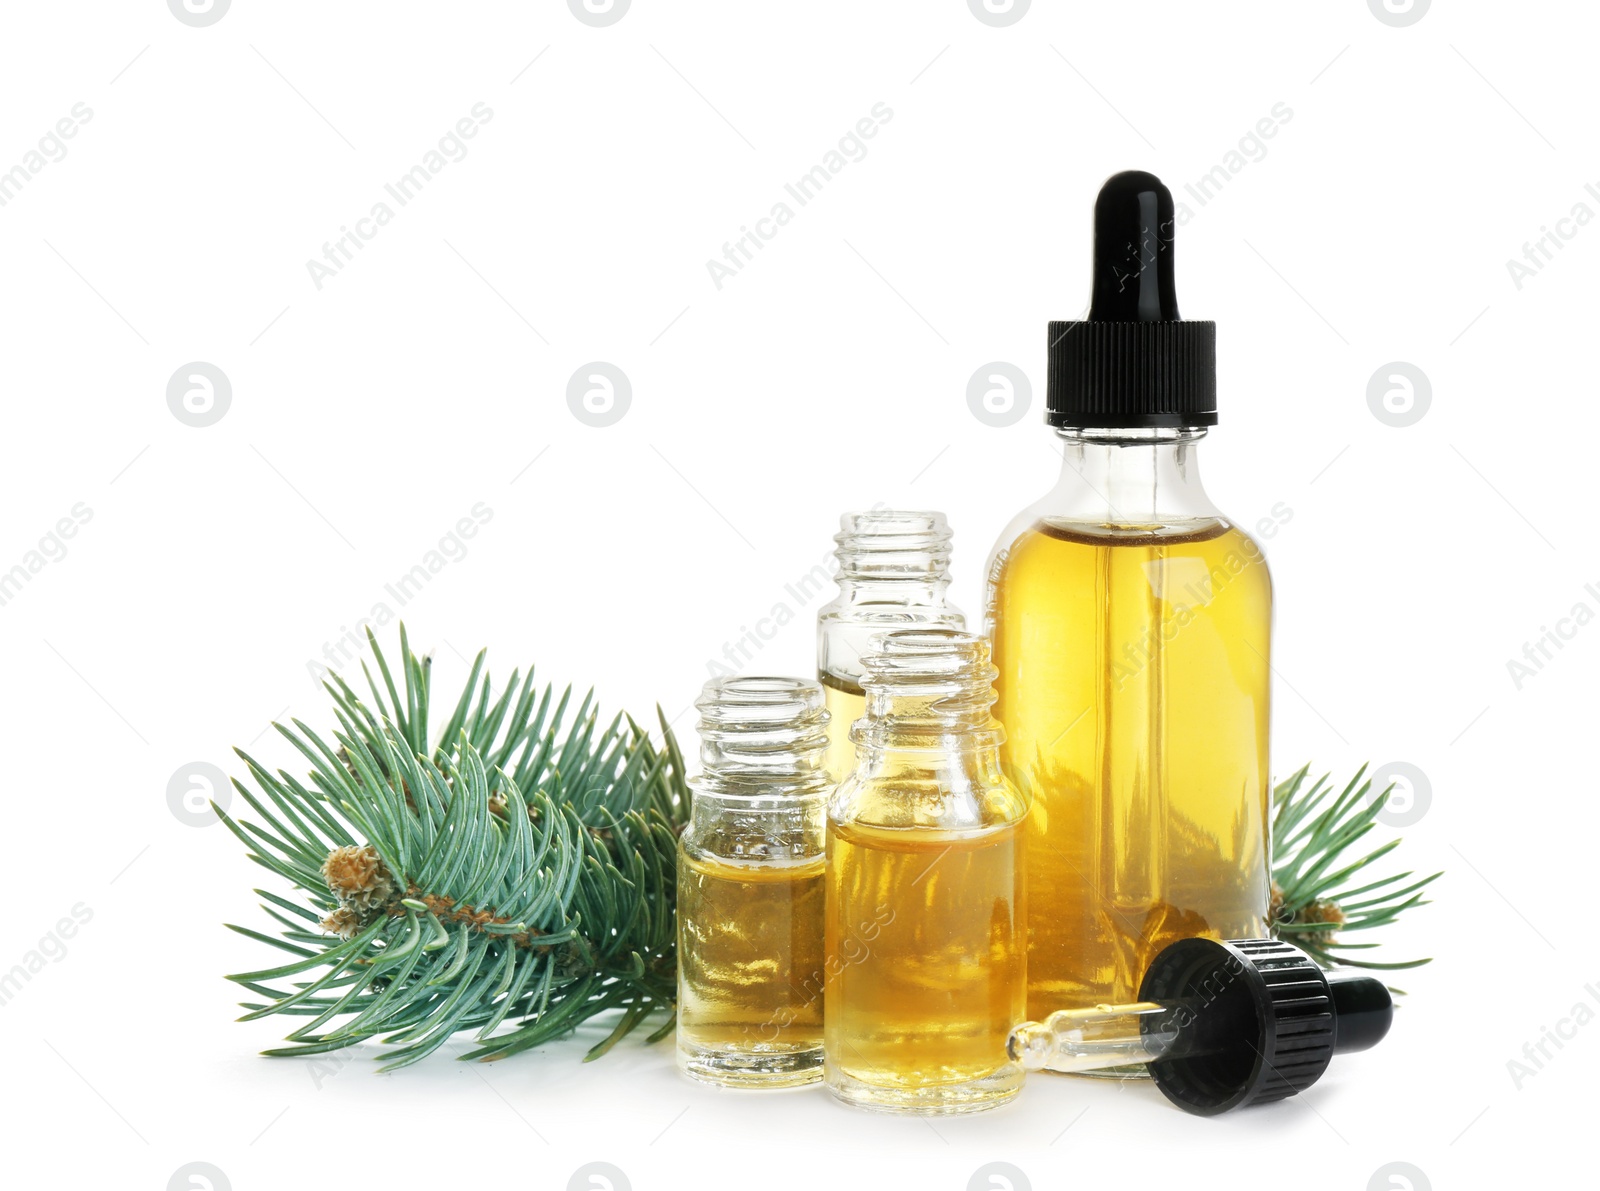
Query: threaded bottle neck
<point x="894" y="546"/>
<point x="925" y="687"/>
<point x="894" y="572"/>
<point x="762" y="735"/>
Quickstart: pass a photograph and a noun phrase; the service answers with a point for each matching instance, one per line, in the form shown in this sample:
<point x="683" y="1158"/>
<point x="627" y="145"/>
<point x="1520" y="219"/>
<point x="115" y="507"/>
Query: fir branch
<point x="520" y="870"/>
<point x="1313" y="896"/>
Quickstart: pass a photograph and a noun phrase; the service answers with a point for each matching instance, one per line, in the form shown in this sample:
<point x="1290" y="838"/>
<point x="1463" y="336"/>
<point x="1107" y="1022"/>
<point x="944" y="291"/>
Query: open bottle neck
<point x="928" y="691"/>
<point x="903" y="553"/>
<point x="893" y="572"/>
<point x="760" y="738"/>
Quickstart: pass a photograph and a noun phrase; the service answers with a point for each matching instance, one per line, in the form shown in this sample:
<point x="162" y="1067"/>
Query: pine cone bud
<point x="358" y="878"/>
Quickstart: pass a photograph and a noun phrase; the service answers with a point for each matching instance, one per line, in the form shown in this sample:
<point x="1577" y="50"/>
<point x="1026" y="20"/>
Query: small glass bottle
<point x="750" y="887"/>
<point x="926" y="949"/>
<point x="894" y="573"/>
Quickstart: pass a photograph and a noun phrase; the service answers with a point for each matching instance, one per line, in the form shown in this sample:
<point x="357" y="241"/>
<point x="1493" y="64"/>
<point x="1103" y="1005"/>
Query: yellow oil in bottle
<point x="926" y="963"/>
<point x="846" y="703"/>
<point x="1134" y="692"/>
<point x="751" y="978"/>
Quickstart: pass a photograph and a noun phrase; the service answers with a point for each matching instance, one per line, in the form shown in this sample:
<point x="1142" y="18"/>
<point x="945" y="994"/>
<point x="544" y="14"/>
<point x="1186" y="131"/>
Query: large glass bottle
<point x="926" y="954"/>
<point x="1131" y="627"/>
<point x="894" y="572"/>
<point x="750" y="887"/>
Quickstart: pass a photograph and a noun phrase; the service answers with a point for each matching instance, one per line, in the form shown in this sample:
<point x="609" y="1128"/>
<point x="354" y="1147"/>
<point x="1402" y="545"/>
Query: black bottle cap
<point x="1133" y="363"/>
<point x="1267" y="1021"/>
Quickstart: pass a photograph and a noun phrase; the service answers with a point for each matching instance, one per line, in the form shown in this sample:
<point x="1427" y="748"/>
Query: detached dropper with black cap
<point x="1131" y="624"/>
<point x="1221" y="1025"/>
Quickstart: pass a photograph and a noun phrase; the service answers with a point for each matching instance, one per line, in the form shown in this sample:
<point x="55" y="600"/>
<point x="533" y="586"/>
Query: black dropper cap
<point x="1267" y="1021"/>
<point x="1133" y="363"/>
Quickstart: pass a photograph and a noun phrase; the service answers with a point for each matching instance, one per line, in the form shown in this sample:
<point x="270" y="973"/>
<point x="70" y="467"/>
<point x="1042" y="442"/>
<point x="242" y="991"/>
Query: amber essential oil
<point x="751" y="977"/>
<point x="931" y="973"/>
<point x="846" y="703"/>
<point x="1133" y="689"/>
<point x="751" y="893"/>
<point x="925" y="947"/>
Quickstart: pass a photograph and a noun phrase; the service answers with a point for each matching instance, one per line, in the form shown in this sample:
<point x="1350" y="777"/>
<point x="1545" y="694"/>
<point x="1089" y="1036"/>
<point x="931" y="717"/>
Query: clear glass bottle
<point x="926" y="955"/>
<point x="1131" y="624"/>
<point x="894" y="572"/>
<point x="750" y="887"/>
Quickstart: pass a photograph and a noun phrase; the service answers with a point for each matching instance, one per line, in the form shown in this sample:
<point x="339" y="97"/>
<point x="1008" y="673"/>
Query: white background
<point x="430" y="374"/>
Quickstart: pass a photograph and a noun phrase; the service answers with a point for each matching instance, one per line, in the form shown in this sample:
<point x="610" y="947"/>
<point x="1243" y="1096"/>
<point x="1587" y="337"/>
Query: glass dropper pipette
<point x="1220" y="1025"/>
